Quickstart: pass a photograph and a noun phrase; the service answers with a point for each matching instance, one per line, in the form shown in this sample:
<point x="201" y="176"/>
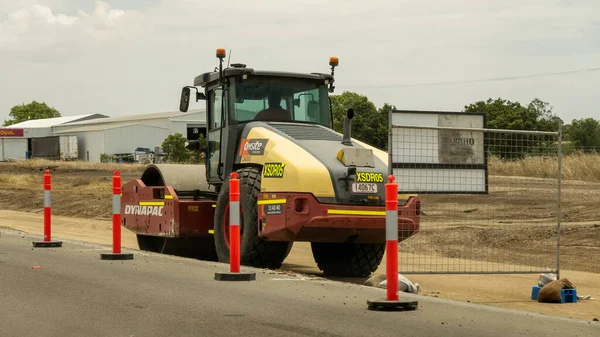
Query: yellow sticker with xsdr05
<point x="368" y="177"/>
<point x="273" y="170"/>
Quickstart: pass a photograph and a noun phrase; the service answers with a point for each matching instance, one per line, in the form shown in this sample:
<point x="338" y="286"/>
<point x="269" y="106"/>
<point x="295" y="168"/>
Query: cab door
<point x="217" y="103"/>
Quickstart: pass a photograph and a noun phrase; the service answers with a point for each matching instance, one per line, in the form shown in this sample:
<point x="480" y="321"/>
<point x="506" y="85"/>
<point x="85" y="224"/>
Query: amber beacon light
<point x="221" y="53"/>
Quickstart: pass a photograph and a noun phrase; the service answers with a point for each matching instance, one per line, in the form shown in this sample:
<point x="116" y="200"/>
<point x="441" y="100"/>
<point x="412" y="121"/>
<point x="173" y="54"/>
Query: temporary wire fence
<point x="490" y="198"/>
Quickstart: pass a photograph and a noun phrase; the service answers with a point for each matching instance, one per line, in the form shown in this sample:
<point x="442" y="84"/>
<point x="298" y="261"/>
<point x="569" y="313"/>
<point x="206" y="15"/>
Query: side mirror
<point x="186" y="92"/>
<point x="184" y="102"/>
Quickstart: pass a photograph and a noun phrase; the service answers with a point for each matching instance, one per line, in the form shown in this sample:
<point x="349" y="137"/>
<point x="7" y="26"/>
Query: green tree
<point x="197" y="157"/>
<point x="202" y="141"/>
<point x="584" y="133"/>
<point x="369" y="125"/>
<point x="33" y="110"/>
<point x="174" y="148"/>
<point x="546" y="119"/>
<point x="505" y="114"/>
<point x="381" y="137"/>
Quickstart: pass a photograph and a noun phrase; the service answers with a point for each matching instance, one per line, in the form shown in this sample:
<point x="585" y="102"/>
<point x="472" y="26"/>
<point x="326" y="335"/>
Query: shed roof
<point x="50" y="122"/>
<point x="133" y="118"/>
<point x="198" y="115"/>
<point x="90" y="128"/>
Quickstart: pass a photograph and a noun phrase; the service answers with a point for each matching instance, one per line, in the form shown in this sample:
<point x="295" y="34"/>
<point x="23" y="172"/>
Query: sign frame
<point x="482" y="167"/>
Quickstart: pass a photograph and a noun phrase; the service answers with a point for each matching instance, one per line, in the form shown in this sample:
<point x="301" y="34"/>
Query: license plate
<point x="364" y="188"/>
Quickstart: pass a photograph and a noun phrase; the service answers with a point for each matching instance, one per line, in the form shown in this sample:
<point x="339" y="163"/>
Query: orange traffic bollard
<point x="116" y="217"/>
<point x="234" y="234"/>
<point x="47" y="215"/>
<point x="391" y="235"/>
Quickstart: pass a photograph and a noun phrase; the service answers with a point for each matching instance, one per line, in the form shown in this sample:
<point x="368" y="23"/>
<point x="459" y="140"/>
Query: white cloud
<point x="46" y="14"/>
<point x="160" y="45"/>
<point x="38" y="32"/>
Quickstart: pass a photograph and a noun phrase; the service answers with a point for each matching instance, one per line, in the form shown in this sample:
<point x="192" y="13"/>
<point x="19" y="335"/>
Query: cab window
<point x="303" y="100"/>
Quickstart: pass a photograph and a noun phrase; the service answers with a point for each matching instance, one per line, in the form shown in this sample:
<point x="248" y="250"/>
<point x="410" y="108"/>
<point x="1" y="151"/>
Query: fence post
<point x="116" y="228"/>
<point x="391" y="237"/>
<point x="559" y="208"/>
<point x="47" y="215"/>
<point x="234" y="235"/>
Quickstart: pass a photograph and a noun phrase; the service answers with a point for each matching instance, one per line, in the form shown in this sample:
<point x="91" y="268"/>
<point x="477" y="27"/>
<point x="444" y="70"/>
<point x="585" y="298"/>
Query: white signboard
<point x="438" y="152"/>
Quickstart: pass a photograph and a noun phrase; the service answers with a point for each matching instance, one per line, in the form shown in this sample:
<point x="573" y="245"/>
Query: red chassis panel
<point x="157" y="210"/>
<point x="300" y="217"/>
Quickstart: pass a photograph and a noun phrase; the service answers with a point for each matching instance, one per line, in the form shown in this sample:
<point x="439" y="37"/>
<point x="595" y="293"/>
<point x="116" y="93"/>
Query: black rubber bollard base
<point x="235" y="276"/>
<point x="116" y="256"/>
<point x="385" y="305"/>
<point x="46" y="244"/>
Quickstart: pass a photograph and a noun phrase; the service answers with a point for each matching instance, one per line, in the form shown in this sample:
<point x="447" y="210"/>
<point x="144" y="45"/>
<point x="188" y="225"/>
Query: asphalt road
<point x="74" y="293"/>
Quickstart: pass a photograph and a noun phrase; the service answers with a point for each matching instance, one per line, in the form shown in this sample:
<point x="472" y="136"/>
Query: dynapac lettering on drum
<point x="143" y="210"/>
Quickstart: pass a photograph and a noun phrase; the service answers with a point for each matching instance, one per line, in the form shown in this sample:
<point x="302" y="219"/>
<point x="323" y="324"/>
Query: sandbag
<point x="374" y="280"/>
<point x="550" y="293"/>
<point x="545" y="279"/>
<point x="404" y="284"/>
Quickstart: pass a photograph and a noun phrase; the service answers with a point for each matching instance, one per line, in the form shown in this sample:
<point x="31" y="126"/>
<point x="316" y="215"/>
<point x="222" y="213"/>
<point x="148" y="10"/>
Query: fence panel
<point x="490" y="199"/>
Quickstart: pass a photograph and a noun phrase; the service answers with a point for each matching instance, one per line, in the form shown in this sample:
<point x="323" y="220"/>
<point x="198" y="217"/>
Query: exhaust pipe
<point x="346" y="139"/>
<point x="193" y="145"/>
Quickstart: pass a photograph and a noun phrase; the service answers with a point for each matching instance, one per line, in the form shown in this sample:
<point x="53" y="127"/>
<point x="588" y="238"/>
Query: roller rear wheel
<point x="254" y="251"/>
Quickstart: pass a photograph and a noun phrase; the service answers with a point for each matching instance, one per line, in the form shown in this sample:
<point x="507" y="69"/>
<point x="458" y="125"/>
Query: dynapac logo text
<point x="143" y="210"/>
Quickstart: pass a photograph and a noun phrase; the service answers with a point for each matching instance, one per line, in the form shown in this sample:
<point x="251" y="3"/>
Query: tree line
<point x="370" y="123"/>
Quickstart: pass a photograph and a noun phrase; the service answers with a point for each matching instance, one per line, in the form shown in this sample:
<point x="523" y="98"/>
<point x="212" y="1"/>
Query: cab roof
<point x="211" y="77"/>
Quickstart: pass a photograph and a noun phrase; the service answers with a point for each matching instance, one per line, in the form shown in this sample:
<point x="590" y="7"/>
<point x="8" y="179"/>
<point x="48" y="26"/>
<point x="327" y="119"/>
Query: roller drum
<point x="180" y="177"/>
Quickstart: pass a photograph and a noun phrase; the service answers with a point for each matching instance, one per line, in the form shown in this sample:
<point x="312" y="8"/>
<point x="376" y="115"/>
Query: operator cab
<point x="237" y="95"/>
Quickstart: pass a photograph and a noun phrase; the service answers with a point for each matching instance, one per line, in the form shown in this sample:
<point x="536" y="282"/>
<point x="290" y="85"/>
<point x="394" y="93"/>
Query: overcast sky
<point x="132" y="57"/>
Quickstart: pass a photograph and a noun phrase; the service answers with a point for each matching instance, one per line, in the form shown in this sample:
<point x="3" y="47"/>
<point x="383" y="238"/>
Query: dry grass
<point x="18" y="180"/>
<point x="97" y="186"/>
<point x="35" y="164"/>
<point x="578" y="166"/>
<point x="81" y="185"/>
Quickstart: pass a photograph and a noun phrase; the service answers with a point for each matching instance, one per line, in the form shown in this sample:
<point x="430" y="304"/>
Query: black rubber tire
<point x="347" y="259"/>
<point x="254" y="251"/>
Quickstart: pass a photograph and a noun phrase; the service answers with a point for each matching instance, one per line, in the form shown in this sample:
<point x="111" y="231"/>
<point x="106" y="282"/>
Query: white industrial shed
<point x="120" y="135"/>
<point x="15" y="140"/>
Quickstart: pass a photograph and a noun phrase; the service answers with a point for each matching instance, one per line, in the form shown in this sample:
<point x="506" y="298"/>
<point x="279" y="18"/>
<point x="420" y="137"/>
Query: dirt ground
<point x="512" y="228"/>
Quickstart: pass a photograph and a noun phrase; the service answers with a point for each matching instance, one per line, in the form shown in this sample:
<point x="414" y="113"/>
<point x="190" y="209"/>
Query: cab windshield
<point x="281" y="99"/>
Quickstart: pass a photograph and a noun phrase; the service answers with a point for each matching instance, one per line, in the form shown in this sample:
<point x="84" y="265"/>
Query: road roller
<point x="300" y="180"/>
